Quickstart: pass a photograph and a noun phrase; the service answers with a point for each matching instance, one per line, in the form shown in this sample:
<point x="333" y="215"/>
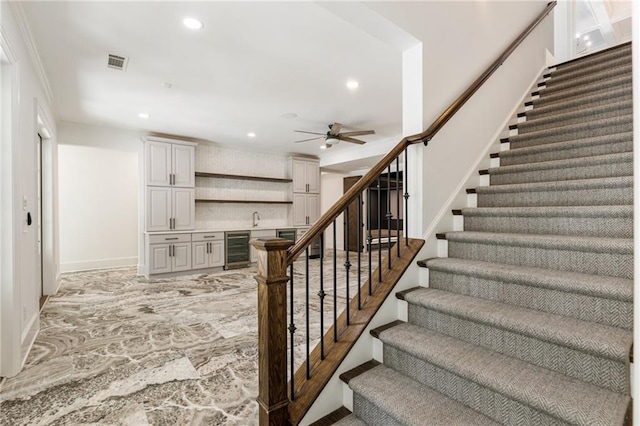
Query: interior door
<point x="352" y="218"/>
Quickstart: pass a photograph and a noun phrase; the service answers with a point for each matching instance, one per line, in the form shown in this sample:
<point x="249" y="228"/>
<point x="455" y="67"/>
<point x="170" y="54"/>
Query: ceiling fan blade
<point x="359" y="133"/>
<point x="335" y="129"/>
<point x="312" y="139"/>
<point x="352" y="140"/>
<point x="311" y="133"/>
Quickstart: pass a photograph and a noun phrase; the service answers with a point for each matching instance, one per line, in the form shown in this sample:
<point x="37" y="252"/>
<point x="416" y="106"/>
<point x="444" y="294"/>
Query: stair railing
<point x="279" y="356"/>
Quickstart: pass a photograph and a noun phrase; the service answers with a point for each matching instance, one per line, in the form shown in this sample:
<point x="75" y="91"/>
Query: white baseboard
<point x="87" y="265"/>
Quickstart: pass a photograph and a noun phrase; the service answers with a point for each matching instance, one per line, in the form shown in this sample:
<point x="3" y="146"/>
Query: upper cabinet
<point x="169" y="181"/>
<point x="169" y="163"/>
<point x="306" y="175"/>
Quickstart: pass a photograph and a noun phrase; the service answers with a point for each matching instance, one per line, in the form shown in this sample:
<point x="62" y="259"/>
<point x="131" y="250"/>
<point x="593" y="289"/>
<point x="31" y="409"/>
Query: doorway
<point x="39" y="218"/>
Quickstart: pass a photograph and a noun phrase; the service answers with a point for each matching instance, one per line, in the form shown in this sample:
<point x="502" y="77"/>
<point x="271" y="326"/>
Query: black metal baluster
<point x="359" y="242"/>
<point x="321" y="295"/>
<point x="379" y="231"/>
<point x="292" y="330"/>
<point x="306" y="310"/>
<point x="406" y="198"/>
<point x="398" y="192"/>
<point x="347" y="263"/>
<point x="335" y="286"/>
<point x="389" y="216"/>
<point x="369" y="238"/>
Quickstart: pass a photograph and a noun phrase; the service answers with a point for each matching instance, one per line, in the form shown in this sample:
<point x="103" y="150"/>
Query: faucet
<point x="256" y="218"/>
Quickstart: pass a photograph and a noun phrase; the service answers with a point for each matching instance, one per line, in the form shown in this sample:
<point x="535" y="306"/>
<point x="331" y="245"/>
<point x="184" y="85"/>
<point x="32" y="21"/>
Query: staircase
<point x="528" y="321"/>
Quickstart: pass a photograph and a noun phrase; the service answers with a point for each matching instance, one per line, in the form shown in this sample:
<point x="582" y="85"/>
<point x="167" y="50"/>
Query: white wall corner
<point x="25" y="32"/>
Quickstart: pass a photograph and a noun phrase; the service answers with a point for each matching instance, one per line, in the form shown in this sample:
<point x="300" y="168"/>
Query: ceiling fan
<point x="333" y="136"/>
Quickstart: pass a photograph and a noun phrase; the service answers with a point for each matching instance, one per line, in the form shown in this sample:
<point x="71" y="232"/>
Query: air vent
<point x="117" y="62"/>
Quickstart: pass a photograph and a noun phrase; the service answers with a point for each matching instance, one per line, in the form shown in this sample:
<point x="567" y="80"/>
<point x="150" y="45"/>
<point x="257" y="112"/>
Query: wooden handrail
<point x="328" y="217"/>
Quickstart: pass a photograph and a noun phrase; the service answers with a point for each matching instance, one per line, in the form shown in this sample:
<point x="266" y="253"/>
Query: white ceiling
<point x="251" y="63"/>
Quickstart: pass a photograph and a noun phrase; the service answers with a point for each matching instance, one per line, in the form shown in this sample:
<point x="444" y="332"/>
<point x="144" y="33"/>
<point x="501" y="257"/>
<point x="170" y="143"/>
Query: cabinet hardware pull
<point x="171" y="239"/>
<point x="210" y="248"/>
<point x="209" y="236"/>
<point x="170" y="250"/>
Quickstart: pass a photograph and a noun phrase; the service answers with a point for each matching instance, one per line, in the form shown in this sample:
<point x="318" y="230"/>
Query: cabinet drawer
<point x="169" y="238"/>
<point x="208" y="236"/>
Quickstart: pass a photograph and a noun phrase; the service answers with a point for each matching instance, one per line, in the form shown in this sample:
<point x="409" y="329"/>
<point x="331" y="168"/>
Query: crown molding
<point x="25" y="31"/>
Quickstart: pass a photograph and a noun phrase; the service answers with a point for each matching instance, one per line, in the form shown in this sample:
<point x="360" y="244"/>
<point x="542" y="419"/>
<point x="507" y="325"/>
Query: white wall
<point x="20" y="285"/>
<point x="99" y="172"/>
<point x="460" y="39"/>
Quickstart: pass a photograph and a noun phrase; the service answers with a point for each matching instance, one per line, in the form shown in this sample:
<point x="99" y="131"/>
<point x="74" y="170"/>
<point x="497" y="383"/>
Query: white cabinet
<point x="306" y="191"/>
<point x="207" y="249"/>
<point x="260" y="233"/>
<point x="170" y="208"/>
<point x="169" y="164"/>
<point x="169" y="253"/>
<point x="306" y="175"/>
<point x="306" y="209"/>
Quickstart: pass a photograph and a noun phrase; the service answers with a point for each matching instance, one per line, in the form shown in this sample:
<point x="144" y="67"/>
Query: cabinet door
<point x="299" y="209"/>
<point x="312" y="174"/>
<point x="199" y="255"/>
<point x="157" y="163"/>
<point x="184" y="208"/>
<point x="299" y="172"/>
<point x="182" y="165"/>
<point x="216" y="256"/>
<point x="181" y="259"/>
<point x="159" y="260"/>
<point x="313" y="207"/>
<point x="158" y="208"/>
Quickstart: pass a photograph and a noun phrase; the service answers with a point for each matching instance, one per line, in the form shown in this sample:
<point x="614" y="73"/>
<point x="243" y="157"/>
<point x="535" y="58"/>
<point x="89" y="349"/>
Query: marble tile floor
<point x="116" y="349"/>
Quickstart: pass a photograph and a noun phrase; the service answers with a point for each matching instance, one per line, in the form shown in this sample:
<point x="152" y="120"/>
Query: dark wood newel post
<point x="272" y="281"/>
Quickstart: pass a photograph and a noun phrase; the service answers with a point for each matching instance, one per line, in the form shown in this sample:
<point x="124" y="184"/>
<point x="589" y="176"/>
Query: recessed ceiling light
<point x="352" y="84"/>
<point x="577" y="35"/>
<point x="251" y="135"/>
<point x="192" y="23"/>
<point x="588" y="43"/>
<point x="323" y="146"/>
<point x="289" y="115"/>
<point x="586" y="38"/>
<point x="143" y="115"/>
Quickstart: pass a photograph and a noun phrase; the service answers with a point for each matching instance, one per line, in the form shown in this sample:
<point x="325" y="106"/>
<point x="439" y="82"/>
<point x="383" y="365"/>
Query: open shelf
<point x="241" y="177"/>
<point x="201" y="200"/>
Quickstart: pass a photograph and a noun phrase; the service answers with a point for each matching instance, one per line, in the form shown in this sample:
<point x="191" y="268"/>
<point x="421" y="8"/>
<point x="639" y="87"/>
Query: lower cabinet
<point x="207" y="249"/>
<point x="169" y="257"/>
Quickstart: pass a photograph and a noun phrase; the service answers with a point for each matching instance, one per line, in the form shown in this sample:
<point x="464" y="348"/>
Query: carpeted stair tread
<point x="583" y="79"/>
<point x="594" y="112"/>
<point x="589" y="255"/>
<point x="587" y="221"/>
<point x="350" y="420"/>
<point x="542" y="108"/>
<point x="594" y="95"/>
<point x="578" y="148"/>
<point x="605" y="183"/>
<point x="569" y="400"/>
<point x="596" y="339"/>
<point x="583" y="92"/>
<point x="587" y="284"/>
<point x="597" y="68"/>
<point x="602" y="127"/>
<point x="596" y="166"/>
<point x="411" y="402"/>
<point x="595" y="60"/>
<point x="552" y="242"/>
<point x="535" y="288"/>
